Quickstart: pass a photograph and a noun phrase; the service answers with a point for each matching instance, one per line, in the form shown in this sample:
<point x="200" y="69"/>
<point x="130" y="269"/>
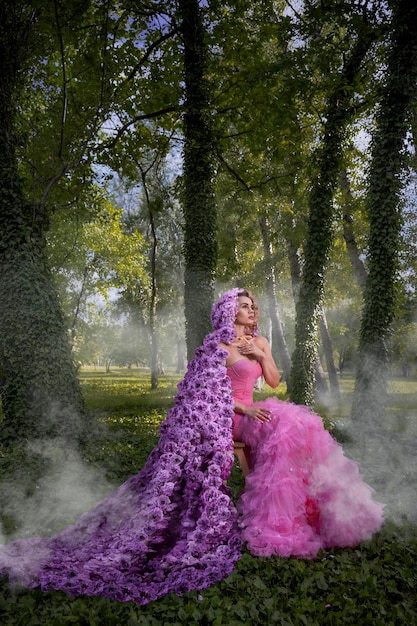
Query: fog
<point x="70" y="487"/>
<point x="386" y="457"/>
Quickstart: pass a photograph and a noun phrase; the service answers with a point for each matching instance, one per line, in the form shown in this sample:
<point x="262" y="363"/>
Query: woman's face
<point x="246" y="312"/>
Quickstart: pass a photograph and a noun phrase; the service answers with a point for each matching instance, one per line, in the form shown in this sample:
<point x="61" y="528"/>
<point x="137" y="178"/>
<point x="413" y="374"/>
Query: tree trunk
<point x="295" y="268"/>
<point x="328" y="354"/>
<point x="180" y="356"/>
<point x="320" y="382"/>
<point x="200" y="243"/>
<point x="321" y="386"/>
<point x="40" y="392"/>
<point x="78" y="302"/>
<point x="320" y="226"/>
<point x="349" y="236"/>
<point x="278" y="338"/>
<point x="154" y="360"/>
<point x="155" y="369"/>
<point x="383" y="204"/>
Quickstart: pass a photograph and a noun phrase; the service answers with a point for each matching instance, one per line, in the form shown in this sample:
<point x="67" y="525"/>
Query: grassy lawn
<point x="373" y="583"/>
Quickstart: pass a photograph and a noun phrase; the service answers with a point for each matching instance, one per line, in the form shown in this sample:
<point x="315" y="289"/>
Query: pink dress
<point x="302" y="494"/>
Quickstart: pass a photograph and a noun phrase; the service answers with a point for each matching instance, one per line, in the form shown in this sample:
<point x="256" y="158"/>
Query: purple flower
<point x="213" y="481"/>
<point x="167" y="488"/>
<point x="164" y="475"/>
<point x="171" y="447"/>
<point x="205" y="395"/>
<point x="156" y="515"/>
<point x="210" y="343"/>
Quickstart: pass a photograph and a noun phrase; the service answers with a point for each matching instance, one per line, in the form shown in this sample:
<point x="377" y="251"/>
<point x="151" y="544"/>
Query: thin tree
<point x="352" y="247"/>
<point x="154" y="289"/>
<point x="327" y="344"/>
<point x="278" y="337"/>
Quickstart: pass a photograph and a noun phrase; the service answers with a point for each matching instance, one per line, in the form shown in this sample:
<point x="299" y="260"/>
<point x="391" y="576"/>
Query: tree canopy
<point x="156" y="153"/>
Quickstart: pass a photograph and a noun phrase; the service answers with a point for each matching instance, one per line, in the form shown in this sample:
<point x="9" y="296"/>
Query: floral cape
<point x="173" y="526"/>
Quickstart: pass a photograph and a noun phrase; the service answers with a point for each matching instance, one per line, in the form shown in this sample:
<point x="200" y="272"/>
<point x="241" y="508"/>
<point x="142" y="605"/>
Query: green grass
<point x="373" y="583"/>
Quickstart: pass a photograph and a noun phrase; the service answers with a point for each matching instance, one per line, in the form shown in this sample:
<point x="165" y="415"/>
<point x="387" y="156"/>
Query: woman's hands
<point x="257" y="413"/>
<point x="250" y="349"/>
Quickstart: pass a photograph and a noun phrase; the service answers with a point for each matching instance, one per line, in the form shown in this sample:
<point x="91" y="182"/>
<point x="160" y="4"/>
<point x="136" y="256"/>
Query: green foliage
<point x="373" y="583"/>
<point x="97" y="255"/>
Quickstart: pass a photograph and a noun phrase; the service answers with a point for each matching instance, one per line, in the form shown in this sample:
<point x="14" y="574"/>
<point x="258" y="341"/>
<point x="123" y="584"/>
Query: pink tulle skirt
<point x="302" y="494"/>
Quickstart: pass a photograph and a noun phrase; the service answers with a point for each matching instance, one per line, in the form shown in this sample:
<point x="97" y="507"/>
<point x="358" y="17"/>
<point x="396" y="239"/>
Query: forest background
<point x="154" y="154"/>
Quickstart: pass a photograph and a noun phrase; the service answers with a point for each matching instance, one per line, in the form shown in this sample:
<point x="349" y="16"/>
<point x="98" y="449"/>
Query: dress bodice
<point x="243" y="375"/>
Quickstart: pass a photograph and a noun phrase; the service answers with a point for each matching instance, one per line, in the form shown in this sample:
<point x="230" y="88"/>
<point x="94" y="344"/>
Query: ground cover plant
<point x="373" y="583"/>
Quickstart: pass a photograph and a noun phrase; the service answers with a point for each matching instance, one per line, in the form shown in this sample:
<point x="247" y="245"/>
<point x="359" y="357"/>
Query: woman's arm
<point x="257" y="413"/>
<point x="269" y="368"/>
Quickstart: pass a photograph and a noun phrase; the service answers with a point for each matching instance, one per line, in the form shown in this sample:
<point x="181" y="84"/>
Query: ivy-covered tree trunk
<point x="383" y="204"/>
<point x="320" y="226"/>
<point x="200" y="240"/>
<point x="39" y="389"/>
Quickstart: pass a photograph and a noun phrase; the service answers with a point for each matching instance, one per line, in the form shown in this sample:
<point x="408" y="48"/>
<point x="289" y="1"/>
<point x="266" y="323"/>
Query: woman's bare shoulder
<point x="261" y="341"/>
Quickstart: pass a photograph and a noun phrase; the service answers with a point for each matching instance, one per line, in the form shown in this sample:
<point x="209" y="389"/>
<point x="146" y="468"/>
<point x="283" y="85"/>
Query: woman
<point x="173" y="526"/>
<point x="302" y="493"/>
